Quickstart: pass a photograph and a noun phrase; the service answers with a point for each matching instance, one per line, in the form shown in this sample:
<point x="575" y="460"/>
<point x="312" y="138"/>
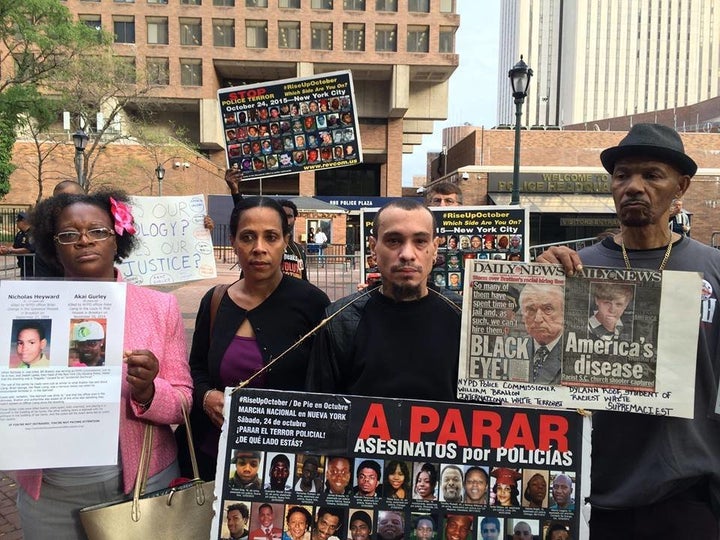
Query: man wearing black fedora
<point x="652" y="476"/>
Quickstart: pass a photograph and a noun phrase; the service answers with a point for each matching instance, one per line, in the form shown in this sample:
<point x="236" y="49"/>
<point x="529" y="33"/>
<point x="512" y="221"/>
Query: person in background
<point x="391" y="525"/>
<point x="360" y="526"/>
<point x="22" y="246"/>
<point x="247" y="466"/>
<point x="444" y="194"/>
<point x="458" y="526"/>
<point x="490" y="528"/>
<point x="298" y="521"/>
<point x="89" y="339"/>
<point x="258" y="317"/>
<point x="397" y="480"/>
<point x="321" y="240"/>
<point x="679" y="219"/>
<point x="267" y="529"/>
<point x="543" y="307"/>
<point x="338" y="476"/>
<point x="29" y="343"/>
<point x="309" y="481"/>
<point x="562" y="490"/>
<point x="425" y="528"/>
<point x="425" y="483"/>
<point x="237" y="516"/>
<point x="86" y="235"/>
<point x="279" y="473"/>
<point x="294" y="260"/>
<point x="327" y="522"/>
<point x="476" y="485"/>
<point x="368" y="479"/>
<point x="451" y="484"/>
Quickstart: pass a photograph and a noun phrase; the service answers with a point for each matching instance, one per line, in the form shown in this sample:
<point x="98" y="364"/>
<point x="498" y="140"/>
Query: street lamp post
<point x="520" y="76"/>
<point x="80" y="140"/>
<point x="160" y="173"/>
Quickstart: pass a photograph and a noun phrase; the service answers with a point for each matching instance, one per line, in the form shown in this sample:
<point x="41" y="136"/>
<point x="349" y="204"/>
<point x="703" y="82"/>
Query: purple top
<point x="241" y="360"/>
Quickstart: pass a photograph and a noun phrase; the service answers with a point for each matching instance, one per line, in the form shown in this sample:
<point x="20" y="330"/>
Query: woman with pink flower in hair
<point x="86" y="235"/>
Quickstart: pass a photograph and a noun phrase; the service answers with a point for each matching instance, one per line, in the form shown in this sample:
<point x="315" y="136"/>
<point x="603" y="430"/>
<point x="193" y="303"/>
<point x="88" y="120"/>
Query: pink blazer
<point x="152" y="321"/>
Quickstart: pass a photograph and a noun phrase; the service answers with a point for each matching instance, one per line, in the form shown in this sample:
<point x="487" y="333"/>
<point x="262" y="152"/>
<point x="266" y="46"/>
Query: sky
<point x="473" y="85"/>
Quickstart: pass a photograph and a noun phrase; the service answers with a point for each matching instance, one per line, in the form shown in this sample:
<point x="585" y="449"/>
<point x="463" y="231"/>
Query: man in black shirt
<point x="400" y="339"/>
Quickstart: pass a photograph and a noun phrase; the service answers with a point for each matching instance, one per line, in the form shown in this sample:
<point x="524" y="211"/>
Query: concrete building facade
<point x="401" y="54"/>
<point x="563" y="183"/>
<point x="596" y="59"/>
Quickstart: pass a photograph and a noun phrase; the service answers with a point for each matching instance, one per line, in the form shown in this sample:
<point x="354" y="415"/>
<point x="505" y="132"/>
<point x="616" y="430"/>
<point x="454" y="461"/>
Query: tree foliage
<point x="37" y="38"/>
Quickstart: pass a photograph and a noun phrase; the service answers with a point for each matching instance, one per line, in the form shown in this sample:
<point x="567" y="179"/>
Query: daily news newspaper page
<point x="387" y="466"/>
<point x="609" y="339"/>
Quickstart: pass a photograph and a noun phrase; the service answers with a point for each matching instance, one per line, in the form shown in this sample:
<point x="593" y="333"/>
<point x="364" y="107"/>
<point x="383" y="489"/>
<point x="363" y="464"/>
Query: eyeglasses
<point x="73" y="237"/>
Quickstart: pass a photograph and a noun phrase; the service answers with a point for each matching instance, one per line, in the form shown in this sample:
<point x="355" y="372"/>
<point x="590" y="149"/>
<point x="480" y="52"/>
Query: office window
<point x="386" y="37"/>
<point x="385" y="5"/>
<point x="124" y="1"/>
<point x="191" y="72"/>
<point x="157" y="1"/>
<point x="124" y="28"/>
<point x="422" y="6"/>
<point x="224" y="32"/>
<point x="158" y="71"/>
<point x="353" y="37"/>
<point x="191" y="2"/>
<point x="294" y="4"/>
<point x="256" y="3"/>
<point x="321" y="4"/>
<point x="91" y="21"/>
<point x="24" y="64"/>
<point x="321" y="38"/>
<point x="256" y="34"/>
<point x="354" y="5"/>
<point x="190" y="32"/>
<point x="224" y="3"/>
<point x="288" y="34"/>
<point x="446" y="6"/>
<point x="447" y="39"/>
<point x="157" y="30"/>
<point x="125" y="71"/>
<point x="417" y="39"/>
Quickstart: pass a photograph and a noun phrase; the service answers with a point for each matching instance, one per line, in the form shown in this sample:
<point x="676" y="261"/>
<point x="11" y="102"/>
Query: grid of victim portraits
<point x="390" y="496"/>
<point x="292" y="134"/>
<point x="454" y="248"/>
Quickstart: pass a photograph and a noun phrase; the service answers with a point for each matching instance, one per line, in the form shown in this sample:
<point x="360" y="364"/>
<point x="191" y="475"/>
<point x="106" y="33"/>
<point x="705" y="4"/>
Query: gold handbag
<point x="183" y="512"/>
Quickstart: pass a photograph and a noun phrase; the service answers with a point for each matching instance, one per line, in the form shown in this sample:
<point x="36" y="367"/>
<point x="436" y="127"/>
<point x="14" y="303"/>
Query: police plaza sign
<point x="552" y="182"/>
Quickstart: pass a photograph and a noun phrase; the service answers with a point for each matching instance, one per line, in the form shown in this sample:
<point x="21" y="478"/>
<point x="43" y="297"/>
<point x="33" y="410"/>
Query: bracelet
<point x="144" y="406"/>
<point x="205" y="399"/>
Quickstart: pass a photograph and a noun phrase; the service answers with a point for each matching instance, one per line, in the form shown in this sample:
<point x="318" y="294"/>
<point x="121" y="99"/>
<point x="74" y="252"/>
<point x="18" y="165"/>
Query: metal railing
<point x="9" y="268"/>
<point x="573" y="244"/>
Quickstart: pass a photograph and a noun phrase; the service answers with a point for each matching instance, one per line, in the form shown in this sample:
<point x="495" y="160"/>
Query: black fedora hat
<point x="651" y="140"/>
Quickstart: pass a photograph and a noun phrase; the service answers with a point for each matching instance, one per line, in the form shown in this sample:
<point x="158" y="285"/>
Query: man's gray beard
<point x="455" y="498"/>
<point x="402" y="292"/>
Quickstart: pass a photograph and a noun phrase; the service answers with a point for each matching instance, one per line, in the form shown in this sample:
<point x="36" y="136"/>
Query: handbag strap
<point x="218" y="293"/>
<point x="142" y="473"/>
<point x="144" y="463"/>
<point x="191" y="446"/>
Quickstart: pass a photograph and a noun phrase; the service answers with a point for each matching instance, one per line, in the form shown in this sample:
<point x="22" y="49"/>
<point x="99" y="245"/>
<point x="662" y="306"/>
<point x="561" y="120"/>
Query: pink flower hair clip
<point x="123" y="217"/>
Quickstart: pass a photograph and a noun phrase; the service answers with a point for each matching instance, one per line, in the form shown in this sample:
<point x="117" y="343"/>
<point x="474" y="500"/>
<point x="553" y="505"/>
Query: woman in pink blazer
<point x="86" y="234"/>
